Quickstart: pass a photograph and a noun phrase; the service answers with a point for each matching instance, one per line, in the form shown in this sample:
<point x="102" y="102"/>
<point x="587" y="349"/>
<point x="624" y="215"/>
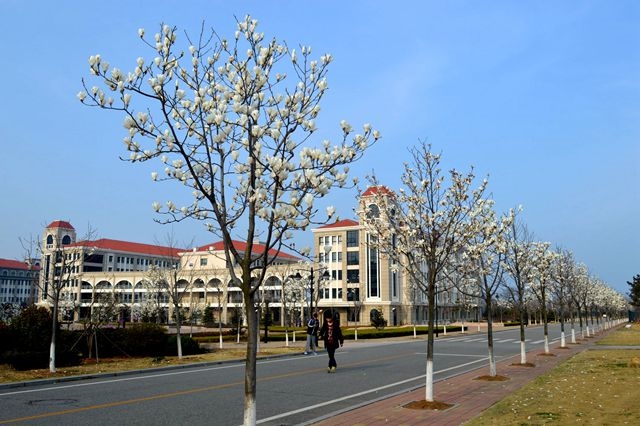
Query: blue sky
<point x="543" y="97"/>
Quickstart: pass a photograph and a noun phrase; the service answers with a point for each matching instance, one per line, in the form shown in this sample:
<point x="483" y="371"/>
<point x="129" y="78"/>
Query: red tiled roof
<point x="126" y="246"/>
<point x="340" y="224"/>
<point x="16" y="264"/>
<point x="373" y="190"/>
<point x="241" y="245"/>
<point x="61" y="224"/>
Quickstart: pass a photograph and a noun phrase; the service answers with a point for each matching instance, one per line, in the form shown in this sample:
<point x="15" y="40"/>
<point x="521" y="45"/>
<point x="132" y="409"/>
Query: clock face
<point x="373" y="211"/>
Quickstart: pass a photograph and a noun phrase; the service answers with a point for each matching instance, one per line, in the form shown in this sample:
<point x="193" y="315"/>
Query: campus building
<point x="18" y="282"/>
<point x="128" y="280"/>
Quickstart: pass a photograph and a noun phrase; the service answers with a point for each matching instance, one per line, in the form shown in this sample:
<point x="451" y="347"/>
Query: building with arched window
<point x="18" y="282"/>
<point x="135" y="281"/>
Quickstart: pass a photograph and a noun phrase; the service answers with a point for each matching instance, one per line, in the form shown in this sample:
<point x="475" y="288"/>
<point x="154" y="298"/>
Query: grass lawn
<point x="595" y="387"/>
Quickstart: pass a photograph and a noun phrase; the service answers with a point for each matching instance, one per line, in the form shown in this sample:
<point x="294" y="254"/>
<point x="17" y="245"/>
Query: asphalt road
<point x="291" y="390"/>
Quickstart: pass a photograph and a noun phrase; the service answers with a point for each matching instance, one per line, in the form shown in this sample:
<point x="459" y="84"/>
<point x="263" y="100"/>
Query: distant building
<point x="361" y="278"/>
<point x="18" y="281"/>
<point x="350" y="277"/>
<point x="92" y="274"/>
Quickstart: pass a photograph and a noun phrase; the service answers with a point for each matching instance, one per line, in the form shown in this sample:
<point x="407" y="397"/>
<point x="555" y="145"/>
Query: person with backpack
<point x="332" y="337"/>
<point x="312" y="332"/>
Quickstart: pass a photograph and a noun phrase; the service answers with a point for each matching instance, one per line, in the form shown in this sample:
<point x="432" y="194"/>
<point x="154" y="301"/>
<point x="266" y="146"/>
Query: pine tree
<point x="634" y="294"/>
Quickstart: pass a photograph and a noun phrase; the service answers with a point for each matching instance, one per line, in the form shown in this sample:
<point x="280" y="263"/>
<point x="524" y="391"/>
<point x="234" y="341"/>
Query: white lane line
<point x="355" y="395"/>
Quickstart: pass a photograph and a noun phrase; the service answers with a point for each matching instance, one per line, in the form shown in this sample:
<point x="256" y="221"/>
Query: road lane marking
<point x="171" y="394"/>
<point x="359" y="394"/>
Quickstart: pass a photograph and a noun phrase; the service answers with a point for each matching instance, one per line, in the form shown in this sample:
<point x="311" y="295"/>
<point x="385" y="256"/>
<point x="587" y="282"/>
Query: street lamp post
<point x="297" y="276"/>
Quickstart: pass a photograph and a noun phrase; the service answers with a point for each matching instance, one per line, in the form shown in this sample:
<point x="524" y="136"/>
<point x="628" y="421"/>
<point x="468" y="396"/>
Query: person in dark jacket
<point x="331" y="334"/>
<point x="312" y="334"/>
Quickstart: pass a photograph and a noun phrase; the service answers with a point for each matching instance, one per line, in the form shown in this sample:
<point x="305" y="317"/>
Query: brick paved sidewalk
<point x="469" y="397"/>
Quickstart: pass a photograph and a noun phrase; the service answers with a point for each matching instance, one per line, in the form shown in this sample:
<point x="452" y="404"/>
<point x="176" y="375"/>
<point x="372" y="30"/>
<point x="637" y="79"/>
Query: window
<point x="336" y="293"/>
<point x="352" y="239"/>
<point x="353" y="275"/>
<point x="373" y="271"/>
<point x="203" y="261"/>
<point x="353" y="258"/>
<point x="336" y="275"/>
<point x="373" y="211"/>
<point x="353" y="294"/>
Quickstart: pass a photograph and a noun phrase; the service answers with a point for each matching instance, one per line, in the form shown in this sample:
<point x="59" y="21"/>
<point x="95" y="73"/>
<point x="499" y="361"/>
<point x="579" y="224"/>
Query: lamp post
<point x="325" y="275"/>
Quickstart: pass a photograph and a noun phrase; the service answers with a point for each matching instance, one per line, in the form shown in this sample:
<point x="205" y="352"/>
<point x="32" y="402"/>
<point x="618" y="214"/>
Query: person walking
<point x="332" y="337"/>
<point x="312" y="332"/>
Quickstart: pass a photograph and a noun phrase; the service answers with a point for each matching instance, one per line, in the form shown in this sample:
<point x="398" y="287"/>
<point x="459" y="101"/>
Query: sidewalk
<point x="469" y="396"/>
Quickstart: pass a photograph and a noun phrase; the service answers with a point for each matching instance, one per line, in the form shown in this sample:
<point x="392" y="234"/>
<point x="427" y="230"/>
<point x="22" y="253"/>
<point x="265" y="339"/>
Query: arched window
<point x="49" y="240"/>
<point x="66" y="240"/>
<point x="103" y="285"/>
<point x="124" y="285"/>
<point x="373" y="211"/>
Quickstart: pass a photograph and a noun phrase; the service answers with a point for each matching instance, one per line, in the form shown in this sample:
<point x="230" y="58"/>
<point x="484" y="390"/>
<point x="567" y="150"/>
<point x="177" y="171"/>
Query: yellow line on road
<point x="173" y="394"/>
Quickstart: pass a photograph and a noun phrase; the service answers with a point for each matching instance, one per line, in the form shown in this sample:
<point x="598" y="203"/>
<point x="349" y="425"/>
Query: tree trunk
<point x="54" y="336"/>
<point x="250" y="362"/>
<point x="178" y="334"/>
<point x="545" y="324"/>
<point x="430" y="342"/>
<point x="563" y="342"/>
<point x="492" y="359"/>
<point x="523" y="349"/>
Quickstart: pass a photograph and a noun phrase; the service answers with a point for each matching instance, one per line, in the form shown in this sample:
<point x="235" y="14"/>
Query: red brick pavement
<point x="469" y="396"/>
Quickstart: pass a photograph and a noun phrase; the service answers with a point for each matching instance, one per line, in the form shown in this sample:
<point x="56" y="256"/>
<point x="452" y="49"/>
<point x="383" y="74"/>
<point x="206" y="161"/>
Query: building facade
<point x="128" y="280"/>
<point x="18" y="282"/>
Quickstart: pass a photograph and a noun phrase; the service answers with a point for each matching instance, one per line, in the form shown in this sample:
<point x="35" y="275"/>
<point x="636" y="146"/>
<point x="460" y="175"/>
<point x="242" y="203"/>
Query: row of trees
<point x="234" y="122"/>
<point x="445" y="234"/>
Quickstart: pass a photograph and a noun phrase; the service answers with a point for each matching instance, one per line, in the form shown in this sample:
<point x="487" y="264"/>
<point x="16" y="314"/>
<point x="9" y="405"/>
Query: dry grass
<point x="623" y="337"/>
<point x="110" y="365"/>
<point x="595" y="387"/>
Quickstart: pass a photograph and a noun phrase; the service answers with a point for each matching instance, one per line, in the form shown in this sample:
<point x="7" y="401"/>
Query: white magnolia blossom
<point x="420" y="232"/>
<point x="232" y="120"/>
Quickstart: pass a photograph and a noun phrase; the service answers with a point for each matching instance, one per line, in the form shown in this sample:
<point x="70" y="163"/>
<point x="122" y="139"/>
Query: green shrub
<point x="26" y="360"/>
<point x="31" y="330"/>
<point x="6" y="338"/>
<point x="143" y="340"/>
<point x="377" y="319"/>
<point x="32" y="360"/>
<point x="189" y="346"/>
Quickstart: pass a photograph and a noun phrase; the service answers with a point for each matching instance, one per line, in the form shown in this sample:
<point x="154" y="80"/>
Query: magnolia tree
<point x="232" y="121"/>
<point x="563" y="275"/>
<point x="582" y="294"/>
<point x="294" y="299"/>
<point x="539" y="280"/>
<point x="58" y="284"/>
<point x="425" y="226"/>
<point x="518" y="265"/>
<point x="102" y="310"/>
<point x="483" y="265"/>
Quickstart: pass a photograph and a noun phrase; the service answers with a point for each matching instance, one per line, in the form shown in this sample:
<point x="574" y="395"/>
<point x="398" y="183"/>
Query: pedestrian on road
<point x="332" y="337"/>
<point x="312" y="334"/>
